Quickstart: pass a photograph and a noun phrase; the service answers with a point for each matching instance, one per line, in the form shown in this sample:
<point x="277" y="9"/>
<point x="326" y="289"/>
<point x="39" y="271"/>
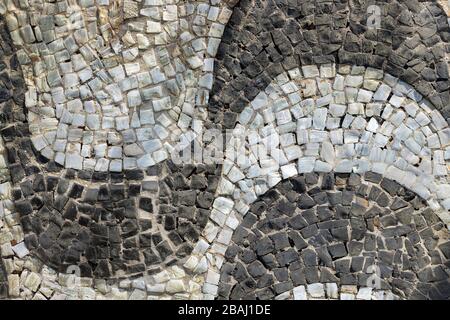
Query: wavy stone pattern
<point x="12" y="89"/>
<point x="117" y="85"/>
<point x="264" y="38"/>
<point x="354" y="119"/>
<point x="107" y="224"/>
<point x="332" y="229"/>
<point x="296" y="134"/>
<point x="114" y="88"/>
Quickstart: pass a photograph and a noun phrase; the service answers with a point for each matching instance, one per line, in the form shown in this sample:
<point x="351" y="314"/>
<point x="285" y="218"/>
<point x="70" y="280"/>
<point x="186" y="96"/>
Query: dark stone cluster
<point x="186" y="195"/>
<point x="107" y="224"/>
<point x="334" y="228"/>
<point x="264" y="38"/>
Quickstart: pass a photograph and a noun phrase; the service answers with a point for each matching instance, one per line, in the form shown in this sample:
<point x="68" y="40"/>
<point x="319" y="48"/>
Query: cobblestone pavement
<point x="318" y="133"/>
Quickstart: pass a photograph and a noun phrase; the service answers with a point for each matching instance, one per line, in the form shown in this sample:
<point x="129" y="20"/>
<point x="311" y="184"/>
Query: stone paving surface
<point x="332" y="182"/>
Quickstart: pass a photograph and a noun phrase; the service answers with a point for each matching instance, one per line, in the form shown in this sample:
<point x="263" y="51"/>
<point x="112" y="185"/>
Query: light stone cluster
<point x="119" y="92"/>
<point x="112" y="85"/>
<point x="318" y="291"/>
<point x="352" y="120"/>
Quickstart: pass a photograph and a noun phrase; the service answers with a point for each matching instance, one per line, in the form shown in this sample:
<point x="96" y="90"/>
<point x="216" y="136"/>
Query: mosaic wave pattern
<point x="317" y="232"/>
<point x="332" y="182"/>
